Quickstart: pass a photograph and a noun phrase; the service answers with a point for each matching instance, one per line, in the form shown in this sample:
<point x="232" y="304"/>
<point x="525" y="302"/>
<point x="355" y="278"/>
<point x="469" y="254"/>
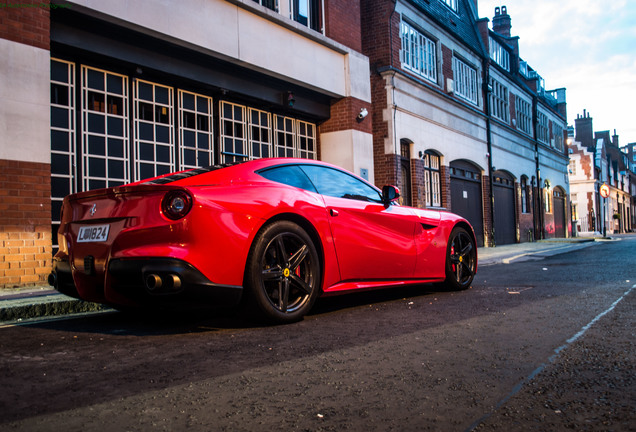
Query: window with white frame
<point x="451" y="4"/>
<point x="154" y="144"/>
<point x="432" y="179"/>
<point x="233" y="133"/>
<point x="542" y="128"/>
<point x="260" y="128"/>
<point x="524" y="115"/>
<point x="307" y="13"/>
<point x="104" y="129"/>
<point x="285" y="136"/>
<point x="524" y="195"/>
<point x="499" y="54"/>
<point x="465" y="80"/>
<point x="572" y="167"/>
<point x="499" y="101"/>
<point x="558" y="136"/>
<point x="270" y="4"/>
<point x="306" y="140"/>
<point x="418" y="53"/>
<point x="63" y="167"/>
<point x="196" y="134"/>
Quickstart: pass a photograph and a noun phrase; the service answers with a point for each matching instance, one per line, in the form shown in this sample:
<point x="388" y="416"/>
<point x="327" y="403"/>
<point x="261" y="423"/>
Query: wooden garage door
<point x="558" y="204"/>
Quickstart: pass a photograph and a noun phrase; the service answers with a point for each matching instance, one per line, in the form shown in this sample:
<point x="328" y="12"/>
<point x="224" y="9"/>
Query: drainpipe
<point x="488" y="90"/>
<point x="540" y="209"/>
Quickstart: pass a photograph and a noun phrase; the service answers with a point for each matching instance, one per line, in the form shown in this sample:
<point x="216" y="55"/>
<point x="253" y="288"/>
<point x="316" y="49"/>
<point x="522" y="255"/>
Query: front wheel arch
<point x="283" y="272"/>
<point x="461" y="258"/>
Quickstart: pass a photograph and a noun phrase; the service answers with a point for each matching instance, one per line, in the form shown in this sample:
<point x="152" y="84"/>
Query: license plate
<point x="93" y="233"/>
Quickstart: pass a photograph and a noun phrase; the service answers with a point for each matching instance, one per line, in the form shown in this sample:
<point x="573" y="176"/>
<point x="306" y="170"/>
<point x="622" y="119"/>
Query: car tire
<point x="283" y="273"/>
<point x="461" y="260"/>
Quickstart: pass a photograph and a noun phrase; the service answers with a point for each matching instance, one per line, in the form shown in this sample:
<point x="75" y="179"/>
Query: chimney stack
<point x="584" y="132"/>
<point x="501" y="23"/>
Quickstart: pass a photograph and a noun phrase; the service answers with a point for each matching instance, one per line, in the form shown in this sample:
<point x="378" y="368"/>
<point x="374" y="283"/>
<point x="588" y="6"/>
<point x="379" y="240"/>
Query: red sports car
<point x="270" y="234"/>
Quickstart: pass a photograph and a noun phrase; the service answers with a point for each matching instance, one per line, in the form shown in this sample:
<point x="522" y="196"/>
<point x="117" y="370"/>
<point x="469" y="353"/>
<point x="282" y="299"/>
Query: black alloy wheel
<point x="283" y="274"/>
<point x="461" y="260"/>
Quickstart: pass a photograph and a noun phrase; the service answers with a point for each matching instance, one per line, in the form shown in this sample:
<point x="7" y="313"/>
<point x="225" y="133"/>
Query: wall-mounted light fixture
<point x="362" y="114"/>
<point x="291" y="100"/>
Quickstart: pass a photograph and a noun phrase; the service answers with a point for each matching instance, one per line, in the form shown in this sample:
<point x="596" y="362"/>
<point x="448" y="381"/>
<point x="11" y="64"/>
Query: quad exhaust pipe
<point x="157" y="284"/>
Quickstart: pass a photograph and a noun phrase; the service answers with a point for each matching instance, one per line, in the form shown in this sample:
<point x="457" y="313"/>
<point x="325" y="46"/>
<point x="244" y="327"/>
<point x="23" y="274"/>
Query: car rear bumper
<point x="143" y="281"/>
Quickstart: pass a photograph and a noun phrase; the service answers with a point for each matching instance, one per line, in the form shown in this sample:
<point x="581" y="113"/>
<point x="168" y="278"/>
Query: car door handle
<point x="333" y="212"/>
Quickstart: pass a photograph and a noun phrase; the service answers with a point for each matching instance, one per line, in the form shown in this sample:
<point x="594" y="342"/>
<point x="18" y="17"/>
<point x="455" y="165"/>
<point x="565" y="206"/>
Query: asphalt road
<point x="536" y="345"/>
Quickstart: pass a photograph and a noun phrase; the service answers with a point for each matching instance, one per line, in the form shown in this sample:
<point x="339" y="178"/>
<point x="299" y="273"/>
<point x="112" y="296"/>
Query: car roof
<point x="234" y="171"/>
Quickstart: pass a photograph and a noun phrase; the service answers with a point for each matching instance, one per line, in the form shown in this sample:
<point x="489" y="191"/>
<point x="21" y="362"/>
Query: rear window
<point x="290" y="175"/>
<point x="182" y="175"/>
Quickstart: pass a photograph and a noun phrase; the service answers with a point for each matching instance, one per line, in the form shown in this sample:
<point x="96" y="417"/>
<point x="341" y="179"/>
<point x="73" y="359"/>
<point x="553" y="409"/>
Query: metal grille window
<point x="542" y="128"/>
<point x="105" y="155"/>
<point x="196" y="133"/>
<point x="306" y="140"/>
<point x="285" y="136"/>
<point x="418" y="53"/>
<point x="260" y="133"/>
<point x="154" y="130"/>
<point x="524" y="115"/>
<point x="63" y="168"/>
<point x="465" y="81"/>
<point x="499" y="102"/>
<point x="233" y="132"/>
<point x="432" y="183"/>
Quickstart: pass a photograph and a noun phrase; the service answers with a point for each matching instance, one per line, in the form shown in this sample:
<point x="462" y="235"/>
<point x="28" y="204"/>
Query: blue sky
<point x="586" y="46"/>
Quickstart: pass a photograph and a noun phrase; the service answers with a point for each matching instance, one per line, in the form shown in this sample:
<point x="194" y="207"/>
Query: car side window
<point x="335" y="183"/>
<point x="290" y="175"/>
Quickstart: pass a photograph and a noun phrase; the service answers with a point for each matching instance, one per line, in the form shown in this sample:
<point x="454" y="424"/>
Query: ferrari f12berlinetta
<point x="270" y="234"/>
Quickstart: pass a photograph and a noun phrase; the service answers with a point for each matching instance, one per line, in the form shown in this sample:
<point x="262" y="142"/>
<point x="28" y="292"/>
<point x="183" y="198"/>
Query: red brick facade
<point x="25" y="223"/>
<point x="26" y="22"/>
<point x="344" y="116"/>
<point x="342" y="21"/>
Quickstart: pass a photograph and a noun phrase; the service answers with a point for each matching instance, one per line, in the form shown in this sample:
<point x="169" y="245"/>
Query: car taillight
<point x="176" y="204"/>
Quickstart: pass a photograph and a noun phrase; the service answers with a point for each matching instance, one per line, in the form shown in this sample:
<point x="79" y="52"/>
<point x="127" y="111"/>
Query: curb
<point x="48" y="305"/>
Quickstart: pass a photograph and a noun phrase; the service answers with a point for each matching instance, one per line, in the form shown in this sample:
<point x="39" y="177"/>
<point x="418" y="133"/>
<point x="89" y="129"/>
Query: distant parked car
<point x="273" y="234"/>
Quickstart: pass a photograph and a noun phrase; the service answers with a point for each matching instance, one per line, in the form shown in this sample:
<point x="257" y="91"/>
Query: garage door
<point x="466" y="198"/>
<point x="505" y="222"/>
<point x="558" y="204"/>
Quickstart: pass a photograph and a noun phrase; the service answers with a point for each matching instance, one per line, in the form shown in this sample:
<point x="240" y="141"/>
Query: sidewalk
<point x="22" y="304"/>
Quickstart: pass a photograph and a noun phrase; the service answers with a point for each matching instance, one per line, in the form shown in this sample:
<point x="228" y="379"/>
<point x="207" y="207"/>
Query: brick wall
<point x="25" y="223"/>
<point x="344" y="113"/>
<point x="342" y="23"/>
<point x="27" y="22"/>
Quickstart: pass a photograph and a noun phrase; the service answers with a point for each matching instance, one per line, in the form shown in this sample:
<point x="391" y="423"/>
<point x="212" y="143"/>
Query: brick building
<point x="596" y="159"/>
<point x="99" y="93"/>
<point x="460" y="121"/>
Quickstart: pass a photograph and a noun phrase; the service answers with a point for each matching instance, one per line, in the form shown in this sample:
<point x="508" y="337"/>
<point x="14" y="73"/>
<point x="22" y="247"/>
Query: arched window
<point x="405" y="172"/>
<point x="432" y="179"/>
<point x="524" y="195"/>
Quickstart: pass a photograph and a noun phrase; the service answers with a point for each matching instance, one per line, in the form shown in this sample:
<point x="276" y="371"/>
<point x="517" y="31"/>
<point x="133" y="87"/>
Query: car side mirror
<point x="389" y="194"/>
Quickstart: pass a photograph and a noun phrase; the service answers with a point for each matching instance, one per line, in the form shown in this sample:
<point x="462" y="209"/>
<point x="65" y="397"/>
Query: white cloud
<point x="587" y="46"/>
